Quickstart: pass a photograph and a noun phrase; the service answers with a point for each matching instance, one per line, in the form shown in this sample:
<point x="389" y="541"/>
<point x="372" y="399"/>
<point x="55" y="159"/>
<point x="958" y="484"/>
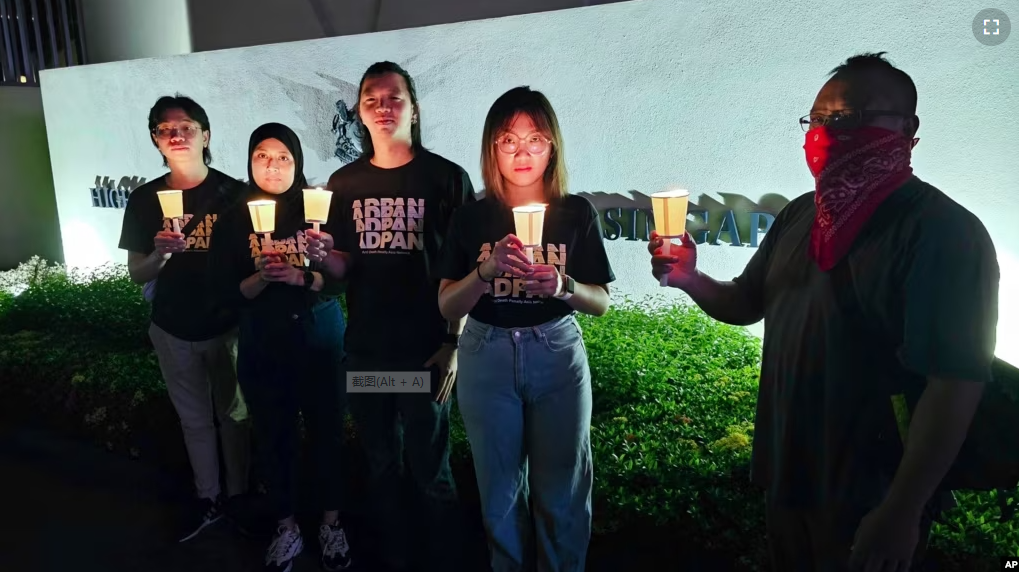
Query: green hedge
<point x="674" y="399"/>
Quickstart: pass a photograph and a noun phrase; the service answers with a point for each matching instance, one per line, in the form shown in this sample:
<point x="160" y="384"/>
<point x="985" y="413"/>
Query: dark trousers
<point x="820" y="539"/>
<point x="289" y="369"/>
<point x="389" y="426"/>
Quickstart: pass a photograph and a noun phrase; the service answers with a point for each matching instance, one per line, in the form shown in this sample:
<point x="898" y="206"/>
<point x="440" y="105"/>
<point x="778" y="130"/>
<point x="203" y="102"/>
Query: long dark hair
<point x="379" y="69"/>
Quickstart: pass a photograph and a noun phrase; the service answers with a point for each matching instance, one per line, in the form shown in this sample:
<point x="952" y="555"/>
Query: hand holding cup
<point x="545" y="280"/>
<point x="320" y="244"/>
<point x="168" y="243"/>
<point x="507" y="256"/>
<point x="679" y="265"/>
<point x="272" y="267"/>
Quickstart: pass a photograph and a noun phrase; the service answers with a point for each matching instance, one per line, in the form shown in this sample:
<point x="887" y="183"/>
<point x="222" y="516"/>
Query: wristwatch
<point x="309" y="279"/>
<point x="567" y="289"/>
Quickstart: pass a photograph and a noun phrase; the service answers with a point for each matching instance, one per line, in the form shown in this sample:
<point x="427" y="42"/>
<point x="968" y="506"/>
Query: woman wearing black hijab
<point x="290" y="343"/>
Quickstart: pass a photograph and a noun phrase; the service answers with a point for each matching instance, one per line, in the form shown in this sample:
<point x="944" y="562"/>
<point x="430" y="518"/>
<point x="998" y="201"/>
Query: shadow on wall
<point x="735" y="220"/>
<point x="28" y="206"/>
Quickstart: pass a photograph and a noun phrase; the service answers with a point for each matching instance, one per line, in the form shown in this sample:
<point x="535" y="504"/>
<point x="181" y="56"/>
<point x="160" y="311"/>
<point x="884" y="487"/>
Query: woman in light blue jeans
<point x="524" y="386"/>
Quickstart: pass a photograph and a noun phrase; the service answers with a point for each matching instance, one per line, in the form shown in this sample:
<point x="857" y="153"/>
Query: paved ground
<point x="71" y="506"/>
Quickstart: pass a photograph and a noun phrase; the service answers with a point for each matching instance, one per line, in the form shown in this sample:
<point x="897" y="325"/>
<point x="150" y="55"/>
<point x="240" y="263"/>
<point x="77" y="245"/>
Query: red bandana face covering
<point x="855" y="171"/>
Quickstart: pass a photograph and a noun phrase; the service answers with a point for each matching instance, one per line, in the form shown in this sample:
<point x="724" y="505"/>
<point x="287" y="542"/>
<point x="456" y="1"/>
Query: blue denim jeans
<point x="525" y="397"/>
<point x="288" y="366"/>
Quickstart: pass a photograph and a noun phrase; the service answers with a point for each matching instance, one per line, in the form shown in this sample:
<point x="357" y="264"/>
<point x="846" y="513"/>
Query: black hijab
<point x="290" y="204"/>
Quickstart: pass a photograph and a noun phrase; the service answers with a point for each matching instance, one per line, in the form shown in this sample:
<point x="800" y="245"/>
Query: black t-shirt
<point x="393" y="223"/>
<point x="573" y="242"/>
<point x="925" y="285"/>
<point x="184" y="305"/>
<point x="237" y="249"/>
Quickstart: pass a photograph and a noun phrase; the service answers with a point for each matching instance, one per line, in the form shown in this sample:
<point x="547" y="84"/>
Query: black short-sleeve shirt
<point x="238" y="247"/>
<point x="572" y="241"/>
<point x="923" y="284"/>
<point x="393" y="222"/>
<point x="185" y="305"/>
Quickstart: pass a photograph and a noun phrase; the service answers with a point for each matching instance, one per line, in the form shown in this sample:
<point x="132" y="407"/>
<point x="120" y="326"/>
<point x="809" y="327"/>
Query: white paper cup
<point x="263" y="216"/>
<point x="316" y="206"/>
<point x="670" y="209"/>
<point x="172" y="203"/>
<point x="529" y="221"/>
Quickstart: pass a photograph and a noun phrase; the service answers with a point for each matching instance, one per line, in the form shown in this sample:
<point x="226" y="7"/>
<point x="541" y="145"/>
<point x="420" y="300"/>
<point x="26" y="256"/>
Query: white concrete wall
<point x="650" y="94"/>
<point x="28" y="209"/>
<point x="117" y="30"/>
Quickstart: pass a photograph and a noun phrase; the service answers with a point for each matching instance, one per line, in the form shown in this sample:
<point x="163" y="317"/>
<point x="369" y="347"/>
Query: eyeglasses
<point x="185" y="131"/>
<point x="535" y="144"/>
<point x="843" y="119"/>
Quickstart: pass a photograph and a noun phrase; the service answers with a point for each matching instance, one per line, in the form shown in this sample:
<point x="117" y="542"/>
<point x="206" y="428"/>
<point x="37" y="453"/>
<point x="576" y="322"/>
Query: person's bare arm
<point x="950" y="341"/>
<point x="456" y="327"/>
<point x="731" y="302"/>
<point x="590" y="299"/>
<point x="546" y="280"/>
<point x="936" y="434"/>
<point x="458" y="297"/>
<point x="270" y="268"/>
<point x="144" y="268"/>
<point x="253" y="285"/>
<point x="723" y="301"/>
<point x="336" y="264"/>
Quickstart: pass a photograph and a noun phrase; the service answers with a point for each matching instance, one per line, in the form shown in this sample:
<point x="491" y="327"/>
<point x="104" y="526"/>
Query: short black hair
<point x="380" y="69"/>
<point x="190" y="108"/>
<point x="864" y="64"/>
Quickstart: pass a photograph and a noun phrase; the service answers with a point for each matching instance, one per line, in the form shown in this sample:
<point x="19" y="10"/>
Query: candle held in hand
<point x="263" y="217"/>
<point x="172" y="203"/>
<point x="529" y="221"/>
<point x="316" y="206"/>
<point x="670" y="209"/>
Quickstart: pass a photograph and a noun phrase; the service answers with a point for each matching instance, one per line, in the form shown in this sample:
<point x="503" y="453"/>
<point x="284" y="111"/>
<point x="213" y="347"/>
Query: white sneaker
<point x="285" y="547"/>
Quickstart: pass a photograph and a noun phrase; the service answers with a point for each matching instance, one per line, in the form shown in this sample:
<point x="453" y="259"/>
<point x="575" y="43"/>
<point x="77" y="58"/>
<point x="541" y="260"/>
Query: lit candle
<point x="316" y="206"/>
<point x="669" y="209"/>
<point x="263" y="217"/>
<point x="172" y="203"/>
<point x="529" y="221"/>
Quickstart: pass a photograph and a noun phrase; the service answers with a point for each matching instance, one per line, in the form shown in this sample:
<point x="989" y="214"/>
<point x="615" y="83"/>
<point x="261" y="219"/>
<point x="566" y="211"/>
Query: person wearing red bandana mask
<point x="872" y="283"/>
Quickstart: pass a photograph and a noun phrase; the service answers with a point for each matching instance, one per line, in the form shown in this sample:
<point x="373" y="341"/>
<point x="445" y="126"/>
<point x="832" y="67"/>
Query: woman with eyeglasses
<point x="290" y="346"/>
<point x="525" y="386"/>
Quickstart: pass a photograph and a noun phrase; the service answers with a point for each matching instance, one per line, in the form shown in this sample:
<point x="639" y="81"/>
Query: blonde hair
<point x="535" y="105"/>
